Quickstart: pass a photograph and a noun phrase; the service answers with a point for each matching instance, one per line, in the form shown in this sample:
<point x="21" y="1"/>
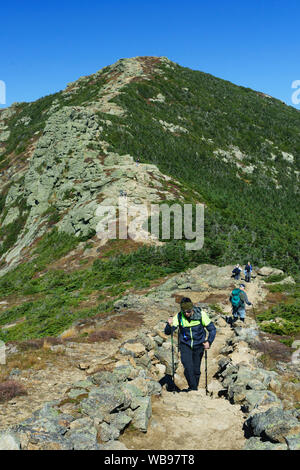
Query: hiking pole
<point x="206" y="389"/>
<point x="173" y="366"/>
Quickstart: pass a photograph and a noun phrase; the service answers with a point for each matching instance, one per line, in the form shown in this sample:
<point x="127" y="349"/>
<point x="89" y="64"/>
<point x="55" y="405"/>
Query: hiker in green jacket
<point x="238" y="298"/>
<point x="192" y="322"/>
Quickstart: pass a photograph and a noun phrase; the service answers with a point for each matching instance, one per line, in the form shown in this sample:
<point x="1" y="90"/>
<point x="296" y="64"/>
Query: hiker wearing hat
<point x="236" y="272"/>
<point x="238" y="299"/>
<point x="192" y="322"/>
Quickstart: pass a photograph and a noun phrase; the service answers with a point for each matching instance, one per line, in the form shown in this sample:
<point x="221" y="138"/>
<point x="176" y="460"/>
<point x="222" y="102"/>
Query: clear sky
<point x="45" y="45"/>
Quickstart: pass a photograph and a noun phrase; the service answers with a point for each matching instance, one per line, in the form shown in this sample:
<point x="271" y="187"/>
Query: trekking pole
<point x="206" y="389"/>
<point x="254" y="312"/>
<point x="173" y="367"/>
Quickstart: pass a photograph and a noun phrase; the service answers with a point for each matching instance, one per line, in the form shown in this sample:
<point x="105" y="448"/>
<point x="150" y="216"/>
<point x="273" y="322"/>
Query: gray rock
<point x="120" y="420"/>
<point x="50" y="441"/>
<point x="255" y="384"/>
<point x="147" y="341"/>
<point x="144" y="361"/>
<point x="142" y="413"/>
<point x="104" y="400"/>
<point x="255" y="443"/>
<point x="158" y="340"/>
<point x="125" y="372"/>
<point x="165" y="357"/>
<point x="293" y="442"/>
<point x="269" y="271"/>
<point x="275" y="424"/>
<point x="9" y="441"/>
<point x="105" y="378"/>
<point x="249" y="335"/>
<point x="255" y="398"/>
<point x="76" y="393"/>
<point x="108" y="432"/>
<point x="114" y="445"/>
<point x="237" y="393"/>
<point x="83" y="435"/>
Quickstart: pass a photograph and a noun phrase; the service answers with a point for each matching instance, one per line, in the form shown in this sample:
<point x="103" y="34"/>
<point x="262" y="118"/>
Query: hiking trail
<point x="194" y="421"/>
<point x="179" y="420"/>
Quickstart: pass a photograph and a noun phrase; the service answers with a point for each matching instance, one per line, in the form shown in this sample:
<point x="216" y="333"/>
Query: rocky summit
<point x="85" y="363"/>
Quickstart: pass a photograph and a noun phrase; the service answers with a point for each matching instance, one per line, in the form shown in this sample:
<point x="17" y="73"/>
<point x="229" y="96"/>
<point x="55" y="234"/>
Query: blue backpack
<point x="236" y="300"/>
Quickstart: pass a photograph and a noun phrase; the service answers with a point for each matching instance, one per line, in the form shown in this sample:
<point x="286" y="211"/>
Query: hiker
<point x="238" y="298"/>
<point x="236" y="272"/>
<point x="248" y="270"/>
<point x="137" y="161"/>
<point x="192" y="321"/>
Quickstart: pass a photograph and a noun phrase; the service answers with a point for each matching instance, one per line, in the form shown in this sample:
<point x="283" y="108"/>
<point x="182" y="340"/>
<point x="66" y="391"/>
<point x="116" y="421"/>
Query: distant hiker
<point x="137" y="161"/>
<point x="238" y="299"/>
<point x="248" y="270"/>
<point x="121" y="193"/>
<point x="191" y="321"/>
<point x="236" y="272"/>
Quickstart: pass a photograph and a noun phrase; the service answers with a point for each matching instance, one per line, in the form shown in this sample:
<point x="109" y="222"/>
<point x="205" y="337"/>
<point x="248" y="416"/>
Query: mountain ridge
<point x="198" y="139"/>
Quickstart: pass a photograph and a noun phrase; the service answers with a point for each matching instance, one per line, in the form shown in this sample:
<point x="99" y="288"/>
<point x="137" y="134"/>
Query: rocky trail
<point x="193" y="420"/>
<point x="197" y="420"/>
<point x="168" y="421"/>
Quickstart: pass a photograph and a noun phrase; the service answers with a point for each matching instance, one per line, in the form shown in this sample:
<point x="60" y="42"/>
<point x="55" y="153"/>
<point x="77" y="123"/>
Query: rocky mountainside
<point x="199" y="139"/>
<point x="69" y="169"/>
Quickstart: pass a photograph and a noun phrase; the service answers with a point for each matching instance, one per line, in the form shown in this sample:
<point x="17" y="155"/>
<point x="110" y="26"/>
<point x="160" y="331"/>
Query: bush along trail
<point x="116" y="395"/>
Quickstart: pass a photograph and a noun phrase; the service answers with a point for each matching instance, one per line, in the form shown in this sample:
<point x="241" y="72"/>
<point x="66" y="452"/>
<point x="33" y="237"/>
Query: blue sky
<point x="251" y="43"/>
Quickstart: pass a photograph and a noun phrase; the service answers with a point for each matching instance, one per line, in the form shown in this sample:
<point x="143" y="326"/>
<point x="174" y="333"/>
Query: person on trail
<point x="236" y="272"/>
<point x="192" y="322"/>
<point x="238" y="298"/>
<point x="248" y="270"/>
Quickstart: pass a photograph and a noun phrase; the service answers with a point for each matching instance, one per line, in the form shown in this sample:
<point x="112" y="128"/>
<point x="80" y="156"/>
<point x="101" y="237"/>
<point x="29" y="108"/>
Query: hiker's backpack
<point x="236" y="300"/>
<point x="197" y="315"/>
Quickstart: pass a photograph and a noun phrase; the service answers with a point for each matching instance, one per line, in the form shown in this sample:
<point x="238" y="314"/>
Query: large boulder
<point x="275" y="424"/>
<point x="268" y="271"/>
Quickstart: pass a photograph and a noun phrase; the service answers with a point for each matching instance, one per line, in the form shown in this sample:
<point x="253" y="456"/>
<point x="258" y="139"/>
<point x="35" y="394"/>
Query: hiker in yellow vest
<point x="192" y="322"/>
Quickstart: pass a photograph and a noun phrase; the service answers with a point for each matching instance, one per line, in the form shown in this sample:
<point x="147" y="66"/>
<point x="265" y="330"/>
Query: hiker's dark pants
<point x="248" y="277"/>
<point x="191" y="361"/>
